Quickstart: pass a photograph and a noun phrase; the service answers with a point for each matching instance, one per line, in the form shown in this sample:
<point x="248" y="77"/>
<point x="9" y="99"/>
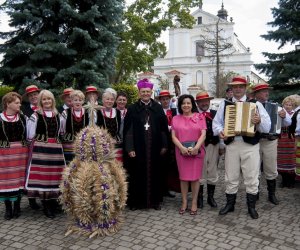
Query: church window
<point x="199" y="20"/>
<point x="200" y="48"/>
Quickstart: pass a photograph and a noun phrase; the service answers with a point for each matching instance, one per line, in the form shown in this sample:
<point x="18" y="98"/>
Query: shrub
<point x="4" y="89"/>
<point x="130" y="90"/>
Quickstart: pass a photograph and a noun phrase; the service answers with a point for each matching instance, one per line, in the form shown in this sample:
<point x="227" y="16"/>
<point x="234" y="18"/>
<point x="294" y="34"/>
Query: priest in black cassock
<point x="145" y="141"/>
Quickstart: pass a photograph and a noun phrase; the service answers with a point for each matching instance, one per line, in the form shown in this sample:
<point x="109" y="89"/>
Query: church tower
<point x="222" y="13"/>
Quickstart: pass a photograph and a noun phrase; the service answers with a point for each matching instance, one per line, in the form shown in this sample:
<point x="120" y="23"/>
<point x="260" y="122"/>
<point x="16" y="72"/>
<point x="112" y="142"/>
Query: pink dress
<point x="189" y="129"/>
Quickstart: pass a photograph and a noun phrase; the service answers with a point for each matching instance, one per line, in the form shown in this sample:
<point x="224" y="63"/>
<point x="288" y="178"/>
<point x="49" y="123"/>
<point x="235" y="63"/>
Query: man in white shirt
<point x="268" y="142"/>
<point x="242" y="152"/>
<point x="67" y="100"/>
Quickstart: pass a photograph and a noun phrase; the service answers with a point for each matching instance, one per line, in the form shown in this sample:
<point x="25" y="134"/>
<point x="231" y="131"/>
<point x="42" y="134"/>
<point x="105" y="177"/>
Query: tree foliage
<point x="144" y="23"/>
<point x="130" y="90"/>
<point x="283" y="67"/>
<point x="61" y="42"/>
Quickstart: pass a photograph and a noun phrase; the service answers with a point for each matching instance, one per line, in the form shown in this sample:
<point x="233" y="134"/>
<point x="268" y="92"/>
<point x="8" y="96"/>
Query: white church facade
<point x="189" y="58"/>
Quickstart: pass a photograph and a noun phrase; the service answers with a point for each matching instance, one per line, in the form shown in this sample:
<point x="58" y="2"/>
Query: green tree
<point x="61" y="42"/>
<point x="35" y="48"/>
<point x="92" y="29"/>
<point x="130" y="90"/>
<point x="283" y="67"/>
<point x="144" y="23"/>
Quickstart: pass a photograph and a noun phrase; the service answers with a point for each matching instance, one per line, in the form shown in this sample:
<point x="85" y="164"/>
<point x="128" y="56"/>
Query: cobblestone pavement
<point x="276" y="228"/>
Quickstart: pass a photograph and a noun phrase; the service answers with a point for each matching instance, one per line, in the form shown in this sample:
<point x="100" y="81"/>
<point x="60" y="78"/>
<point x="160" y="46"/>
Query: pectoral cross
<point x="146" y="126"/>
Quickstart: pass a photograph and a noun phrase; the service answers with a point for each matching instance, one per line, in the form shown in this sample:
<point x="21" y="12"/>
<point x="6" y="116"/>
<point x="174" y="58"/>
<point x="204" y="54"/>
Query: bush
<point x="4" y="89"/>
<point x="130" y="90"/>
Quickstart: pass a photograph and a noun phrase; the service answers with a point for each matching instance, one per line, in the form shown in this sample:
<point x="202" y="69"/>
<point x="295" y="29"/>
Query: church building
<point x="192" y="53"/>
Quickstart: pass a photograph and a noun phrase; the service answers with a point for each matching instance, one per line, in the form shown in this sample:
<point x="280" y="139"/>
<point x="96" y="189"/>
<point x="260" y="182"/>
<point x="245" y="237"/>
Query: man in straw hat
<point x="169" y="160"/>
<point x="242" y="152"/>
<point x="145" y="141"/>
<point x="211" y="151"/>
<point x="65" y="96"/>
<point x="268" y="142"/>
<point x="31" y="95"/>
<point x="92" y="94"/>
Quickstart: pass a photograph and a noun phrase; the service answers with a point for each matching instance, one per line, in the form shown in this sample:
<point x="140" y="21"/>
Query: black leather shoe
<point x="200" y="197"/>
<point x="229" y="207"/>
<point x="17" y="208"/>
<point x="157" y="207"/>
<point x="47" y="209"/>
<point x="169" y="194"/>
<point x="8" y="210"/>
<point x="251" y="200"/>
<point x="33" y="205"/>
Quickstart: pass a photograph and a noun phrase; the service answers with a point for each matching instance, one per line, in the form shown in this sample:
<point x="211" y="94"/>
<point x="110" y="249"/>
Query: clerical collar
<point x="146" y="103"/>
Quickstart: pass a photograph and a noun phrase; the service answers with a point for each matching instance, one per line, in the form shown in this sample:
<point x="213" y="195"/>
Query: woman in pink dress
<point x="188" y="135"/>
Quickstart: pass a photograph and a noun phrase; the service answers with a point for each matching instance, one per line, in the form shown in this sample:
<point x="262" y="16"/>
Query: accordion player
<point x="272" y="110"/>
<point x="238" y="119"/>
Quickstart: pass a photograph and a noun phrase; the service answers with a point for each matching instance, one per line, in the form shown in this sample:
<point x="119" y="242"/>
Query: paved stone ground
<point x="276" y="228"/>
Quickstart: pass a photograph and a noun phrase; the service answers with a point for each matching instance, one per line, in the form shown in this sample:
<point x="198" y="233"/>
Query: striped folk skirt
<point x="46" y="165"/>
<point x="69" y="152"/>
<point x="13" y="162"/>
<point x="297" y="171"/>
<point x="286" y="155"/>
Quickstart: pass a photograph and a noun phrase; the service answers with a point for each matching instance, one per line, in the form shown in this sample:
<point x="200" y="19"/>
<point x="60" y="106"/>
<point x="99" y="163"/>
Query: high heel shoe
<point x="182" y="211"/>
<point x="192" y="212"/>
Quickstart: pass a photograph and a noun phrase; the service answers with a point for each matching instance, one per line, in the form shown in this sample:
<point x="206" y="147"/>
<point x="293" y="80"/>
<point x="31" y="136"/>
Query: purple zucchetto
<point x="144" y="84"/>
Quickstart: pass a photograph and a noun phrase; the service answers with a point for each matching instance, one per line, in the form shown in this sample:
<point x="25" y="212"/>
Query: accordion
<point x="272" y="110"/>
<point x="238" y="119"/>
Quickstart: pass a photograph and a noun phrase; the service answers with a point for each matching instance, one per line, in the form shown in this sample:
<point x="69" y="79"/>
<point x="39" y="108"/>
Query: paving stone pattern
<point x="276" y="228"/>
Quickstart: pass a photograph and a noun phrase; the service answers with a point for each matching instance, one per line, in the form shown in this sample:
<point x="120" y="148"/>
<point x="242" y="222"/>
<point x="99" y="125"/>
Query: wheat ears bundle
<point x="94" y="187"/>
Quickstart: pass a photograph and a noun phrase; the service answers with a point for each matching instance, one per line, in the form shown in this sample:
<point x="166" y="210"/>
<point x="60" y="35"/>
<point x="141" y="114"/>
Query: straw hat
<point x="238" y="80"/>
<point x="164" y="93"/>
<point x="260" y="86"/>
<point x="203" y="95"/>
<point x="66" y="92"/>
<point x="30" y="89"/>
<point x="90" y="89"/>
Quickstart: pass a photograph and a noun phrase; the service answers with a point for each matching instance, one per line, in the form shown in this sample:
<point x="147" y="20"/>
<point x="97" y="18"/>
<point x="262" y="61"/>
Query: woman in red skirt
<point x="46" y="160"/>
<point x="13" y="154"/>
<point x="286" y="156"/>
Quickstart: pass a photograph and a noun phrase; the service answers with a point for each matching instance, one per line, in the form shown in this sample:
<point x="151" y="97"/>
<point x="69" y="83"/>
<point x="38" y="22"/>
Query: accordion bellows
<point x="238" y="119"/>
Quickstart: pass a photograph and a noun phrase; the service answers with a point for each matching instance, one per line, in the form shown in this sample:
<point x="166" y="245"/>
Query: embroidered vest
<point x="210" y="138"/>
<point x="47" y="127"/>
<point x="73" y="126"/>
<point x="12" y="131"/>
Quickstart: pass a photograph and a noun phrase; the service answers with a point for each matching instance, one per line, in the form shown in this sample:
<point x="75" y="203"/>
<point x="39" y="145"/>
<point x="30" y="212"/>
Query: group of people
<point x="197" y="134"/>
<point x="153" y="139"/>
<point x="37" y="140"/>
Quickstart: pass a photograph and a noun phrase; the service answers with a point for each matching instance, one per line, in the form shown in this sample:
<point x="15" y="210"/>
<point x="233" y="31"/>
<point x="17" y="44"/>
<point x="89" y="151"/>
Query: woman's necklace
<point x="52" y="113"/>
<point x="76" y="118"/>
<point x="14" y="117"/>
<point x="110" y="113"/>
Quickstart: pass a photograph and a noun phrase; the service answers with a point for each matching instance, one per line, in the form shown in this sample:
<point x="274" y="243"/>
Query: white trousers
<point x="268" y="155"/>
<point x="211" y="159"/>
<point x="242" y="158"/>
